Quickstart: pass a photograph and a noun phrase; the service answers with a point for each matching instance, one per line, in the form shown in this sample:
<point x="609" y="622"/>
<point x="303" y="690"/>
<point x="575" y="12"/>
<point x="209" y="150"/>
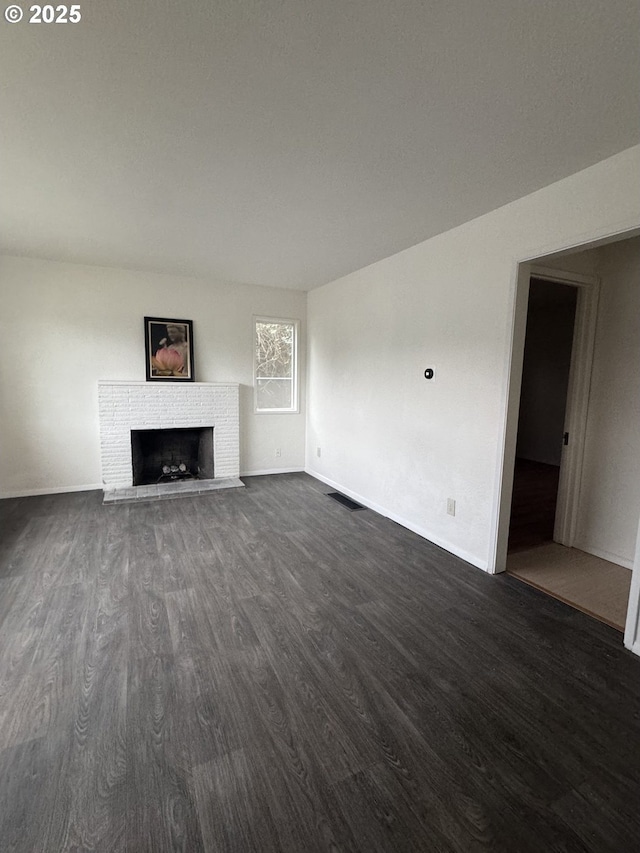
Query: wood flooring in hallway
<point x="261" y="670"/>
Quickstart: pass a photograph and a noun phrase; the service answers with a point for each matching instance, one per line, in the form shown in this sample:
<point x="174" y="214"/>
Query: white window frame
<point x="294" y="409"/>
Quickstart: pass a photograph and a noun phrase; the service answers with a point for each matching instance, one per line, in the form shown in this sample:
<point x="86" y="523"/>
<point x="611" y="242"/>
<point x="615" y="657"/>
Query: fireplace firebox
<point x="169" y="455"/>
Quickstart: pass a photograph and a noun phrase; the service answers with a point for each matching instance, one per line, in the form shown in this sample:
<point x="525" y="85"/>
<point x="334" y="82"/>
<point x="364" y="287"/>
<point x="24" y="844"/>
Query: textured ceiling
<point x="288" y="142"/>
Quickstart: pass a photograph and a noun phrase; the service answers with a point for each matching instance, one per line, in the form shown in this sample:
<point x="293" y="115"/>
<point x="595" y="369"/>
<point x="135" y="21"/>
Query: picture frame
<point x="168" y="346"/>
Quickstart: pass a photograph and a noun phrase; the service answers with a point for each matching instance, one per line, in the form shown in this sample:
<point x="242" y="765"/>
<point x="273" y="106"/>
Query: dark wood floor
<point x="262" y="670"/>
<point x="533" y="505"/>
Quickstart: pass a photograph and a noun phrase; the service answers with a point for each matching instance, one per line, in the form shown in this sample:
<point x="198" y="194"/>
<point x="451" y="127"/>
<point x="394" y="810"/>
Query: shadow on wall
<point x="246" y="412"/>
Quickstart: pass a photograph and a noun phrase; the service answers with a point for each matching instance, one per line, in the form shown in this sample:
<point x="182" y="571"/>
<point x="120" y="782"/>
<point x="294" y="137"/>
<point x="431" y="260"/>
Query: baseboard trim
<point x="272" y="471"/>
<point x="387" y="513"/>
<point x="59" y="490"/>
<point x="605" y="555"/>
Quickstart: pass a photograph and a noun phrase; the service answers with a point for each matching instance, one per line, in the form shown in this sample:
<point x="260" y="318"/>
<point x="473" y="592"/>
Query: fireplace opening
<point x="171" y="455"/>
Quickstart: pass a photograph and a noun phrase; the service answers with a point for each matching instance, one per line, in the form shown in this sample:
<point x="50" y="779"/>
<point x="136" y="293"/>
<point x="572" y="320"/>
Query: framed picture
<point x="168" y="346"/>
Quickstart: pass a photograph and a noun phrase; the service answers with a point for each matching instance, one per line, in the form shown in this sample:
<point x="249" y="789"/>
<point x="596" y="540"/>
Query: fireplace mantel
<point x="125" y="406"/>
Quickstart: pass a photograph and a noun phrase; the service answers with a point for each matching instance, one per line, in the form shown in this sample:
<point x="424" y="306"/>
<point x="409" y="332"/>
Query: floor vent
<point x="352" y="506"/>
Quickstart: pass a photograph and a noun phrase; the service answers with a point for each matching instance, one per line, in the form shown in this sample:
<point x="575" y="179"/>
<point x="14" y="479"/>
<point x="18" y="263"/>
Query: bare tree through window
<point x="275" y="344"/>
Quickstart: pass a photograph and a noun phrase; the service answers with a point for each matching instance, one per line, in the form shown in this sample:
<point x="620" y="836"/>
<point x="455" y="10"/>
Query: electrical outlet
<point x="278" y="453"/>
<point x="451" y="506"/>
<point x="319" y="451"/>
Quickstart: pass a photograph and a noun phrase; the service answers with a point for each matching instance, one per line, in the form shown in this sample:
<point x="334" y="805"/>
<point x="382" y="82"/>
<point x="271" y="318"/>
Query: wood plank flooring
<point x="262" y="670"/>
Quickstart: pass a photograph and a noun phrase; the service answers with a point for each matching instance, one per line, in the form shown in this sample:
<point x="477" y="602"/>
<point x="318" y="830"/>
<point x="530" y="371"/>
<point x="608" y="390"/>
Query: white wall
<point x="398" y="442"/>
<point x="610" y="490"/>
<point x="66" y="326"/>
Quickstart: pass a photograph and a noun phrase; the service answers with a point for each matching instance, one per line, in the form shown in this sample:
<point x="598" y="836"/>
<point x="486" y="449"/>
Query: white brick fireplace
<point x="127" y="406"/>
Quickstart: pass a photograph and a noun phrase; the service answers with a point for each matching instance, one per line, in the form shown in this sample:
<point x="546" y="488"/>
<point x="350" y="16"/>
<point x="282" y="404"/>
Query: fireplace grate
<point x="352" y="506"/>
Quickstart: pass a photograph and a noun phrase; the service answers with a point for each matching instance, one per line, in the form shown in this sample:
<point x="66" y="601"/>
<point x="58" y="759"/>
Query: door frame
<point x="575" y="419"/>
<point x="632" y="625"/>
<point x="577" y="401"/>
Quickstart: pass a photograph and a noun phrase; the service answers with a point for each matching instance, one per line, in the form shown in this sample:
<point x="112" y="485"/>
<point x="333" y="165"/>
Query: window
<point x="276" y="356"/>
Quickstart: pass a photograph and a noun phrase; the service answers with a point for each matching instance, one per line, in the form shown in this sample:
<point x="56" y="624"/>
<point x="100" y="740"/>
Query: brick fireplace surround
<point x="126" y="406"/>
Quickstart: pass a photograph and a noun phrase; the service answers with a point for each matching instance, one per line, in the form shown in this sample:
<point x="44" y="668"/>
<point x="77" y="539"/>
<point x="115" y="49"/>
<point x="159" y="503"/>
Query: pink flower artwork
<point x="170" y="360"/>
<point x="168" y="349"/>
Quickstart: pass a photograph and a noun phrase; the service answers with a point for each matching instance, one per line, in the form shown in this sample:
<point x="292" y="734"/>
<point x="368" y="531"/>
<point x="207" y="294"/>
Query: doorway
<point x="601" y="464"/>
<point x="557" y="339"/>
<point x="541" y="432"/>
